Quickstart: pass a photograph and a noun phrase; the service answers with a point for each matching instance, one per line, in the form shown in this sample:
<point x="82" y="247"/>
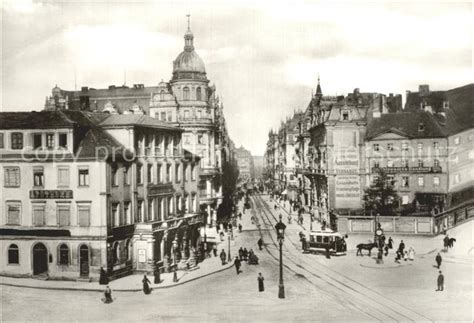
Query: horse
<point x="451" y="242"/>
<point x="365" y="246"/>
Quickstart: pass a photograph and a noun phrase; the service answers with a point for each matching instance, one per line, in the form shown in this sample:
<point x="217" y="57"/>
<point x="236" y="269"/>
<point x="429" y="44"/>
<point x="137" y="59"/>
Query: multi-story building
<point x="244" y="163"/>
<point x="85" y="190"/>
<point x="187" y="101"/>
<point x="257" y="166"/>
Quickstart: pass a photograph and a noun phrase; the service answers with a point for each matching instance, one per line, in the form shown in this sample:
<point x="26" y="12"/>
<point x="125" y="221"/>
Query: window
<point x="150" y="209"/>
<point x="376" y="147"/>
<point x="115" y="220"/>
<point x="390" y="147"/>
<point x="186" y="93"/>
<point x="13" y="213"/>
<point x="63" y="258"/>
<point x="139" y="211"/>
<point x="193" y="172"/>
<point x="17" y="140"/>
<point x="376" y="164"/>
<point x="38" y="176"/>
<point x="50" y="140"/>
<point x="420" y="162"/>
<point x="169" y="116"/>
<point x="159" y="176"/>
<point x="163" y="116"/>
<point x="64" y="215"/>
<point x="149" y="173"/>
<point x="457" y="140"/>
<point x="421" y="181"/>
<point x="186" y="173"/>
<point x="186" y="139"/>
<point x="126" y="175"/>
<point x="168" y="173"/>
<point x="421" y="127"/>
<point x="200" y="139"/>
<point x="38" y="215"/>
<point x="2" y="145"/>
<point x="436" y="181"/>
<point x="405" y="163"/>
<point x="84" y="177"/>
<point x="63" y="176"/>
<point x="404" y="146"/>
<point x="139" y="174"/>
<point x="126" y="211"/>
<point x="420" y="148"/>
<point x="198" y="94"/>
<point x="37" y="140"/>
<point x="63" y="140"/>
<point x="84" y="215"/>
<point x="199" y="114"/>
<point x="405" y="181"/>
<point x="435" y="145"/>
<point x="186" y="114"/>
<point x="193" y="202"/>
<point x="436" y="163"/>
<point x="345" y="115"/>
<point x="113" y="175"/>
<point x="13" y="255"/>
<point x="177" y="173"/>
<point x="12" y="176"/>
<point x="159" y="209"/>
<point x="405" y="199"/>
<point x="170" y="206"/>
<point x="389" y="163"/>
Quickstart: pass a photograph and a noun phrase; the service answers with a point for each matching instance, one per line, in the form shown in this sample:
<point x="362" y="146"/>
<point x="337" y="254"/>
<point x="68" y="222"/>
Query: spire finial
<point x="189" y="21"/>
<point x="318" y="77"/>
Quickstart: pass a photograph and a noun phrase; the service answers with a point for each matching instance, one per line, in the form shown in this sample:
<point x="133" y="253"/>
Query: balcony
<point x="310" y="171"/>
<point x="414" y="170"/>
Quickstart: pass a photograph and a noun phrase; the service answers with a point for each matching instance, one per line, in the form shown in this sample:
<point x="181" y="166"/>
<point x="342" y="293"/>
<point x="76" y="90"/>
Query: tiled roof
<point x="405" y="123"/>
<point x="35" y="120"/>
<point x="118" y="120"/>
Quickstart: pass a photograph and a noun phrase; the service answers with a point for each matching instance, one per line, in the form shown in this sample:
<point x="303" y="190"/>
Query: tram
<point x="319" y="241"/>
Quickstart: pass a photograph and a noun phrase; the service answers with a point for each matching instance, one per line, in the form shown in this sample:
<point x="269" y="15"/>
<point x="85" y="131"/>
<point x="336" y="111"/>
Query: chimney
<point x="424" y="89"/>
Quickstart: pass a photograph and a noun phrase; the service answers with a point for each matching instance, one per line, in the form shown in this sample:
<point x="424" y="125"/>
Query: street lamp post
<point x="280" y="230"/>
<point x="229" y="258"/>
<point x="175" y="265"/>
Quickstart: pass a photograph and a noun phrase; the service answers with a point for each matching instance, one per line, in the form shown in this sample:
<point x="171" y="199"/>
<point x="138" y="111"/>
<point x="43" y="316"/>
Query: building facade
<point x="244" y="163"/>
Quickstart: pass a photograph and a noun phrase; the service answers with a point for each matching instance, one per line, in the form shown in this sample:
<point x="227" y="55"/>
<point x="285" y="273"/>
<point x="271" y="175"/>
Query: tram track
<point x="350" y="291"/>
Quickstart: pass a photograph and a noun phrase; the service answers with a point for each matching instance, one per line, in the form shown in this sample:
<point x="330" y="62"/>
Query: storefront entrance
<point x="40" y="259"/>
<point x="84" y="261"/>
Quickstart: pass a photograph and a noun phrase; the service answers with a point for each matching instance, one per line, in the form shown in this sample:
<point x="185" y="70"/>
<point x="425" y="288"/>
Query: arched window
<point x="13" y="254"/>
<point x="198" y="94"/>
<point x="162" y="95"/>
<point x="186" y="93"/>
<point x="63" y="254"/>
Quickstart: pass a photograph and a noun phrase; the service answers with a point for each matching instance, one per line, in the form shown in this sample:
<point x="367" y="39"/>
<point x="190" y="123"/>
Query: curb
<point x="116" y="290"/>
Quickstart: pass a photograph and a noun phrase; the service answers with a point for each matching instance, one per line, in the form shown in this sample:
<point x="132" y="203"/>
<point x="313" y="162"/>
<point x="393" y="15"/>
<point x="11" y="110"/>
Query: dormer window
<point x="445" y="104"/>
<point x="421" y="127"/>
<point x="345" y="115"/>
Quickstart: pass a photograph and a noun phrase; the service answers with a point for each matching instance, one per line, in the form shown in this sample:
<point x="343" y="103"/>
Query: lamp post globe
<point x="175" y="265"/>
<point x="280" y="230"/>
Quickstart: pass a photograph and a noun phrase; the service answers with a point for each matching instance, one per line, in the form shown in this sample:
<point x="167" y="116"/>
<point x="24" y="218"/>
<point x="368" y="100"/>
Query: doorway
<point x="84" y="261"/>
<point x="40" y="259"/>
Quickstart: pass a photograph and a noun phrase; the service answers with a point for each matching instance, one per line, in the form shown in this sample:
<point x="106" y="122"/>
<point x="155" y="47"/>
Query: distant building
<point x="257" y="166"/>
<point x="244" y="163"/>
<point x="84" y="190"/>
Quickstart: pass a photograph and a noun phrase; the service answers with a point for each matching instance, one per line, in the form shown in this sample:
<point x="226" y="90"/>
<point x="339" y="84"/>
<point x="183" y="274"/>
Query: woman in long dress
<point x="146" y="287"/>
<point x="411" y="254"/>
<point x="260" y="279"/>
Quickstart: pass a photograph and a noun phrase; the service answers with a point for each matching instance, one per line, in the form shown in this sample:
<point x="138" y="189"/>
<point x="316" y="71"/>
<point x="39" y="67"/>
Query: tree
<point x="381" y="197"/>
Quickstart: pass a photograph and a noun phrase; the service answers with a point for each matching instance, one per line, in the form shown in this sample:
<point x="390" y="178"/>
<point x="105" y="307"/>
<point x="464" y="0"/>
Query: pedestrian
<point x="411" y="254"/>
<point x="260" y="279"/>
<point x="108" y="295"/>
<point x="241" y="253"/>
<point x="276" y="207"/>
<point x="103" y="279"/>
<point x="240" y="216"/>
<point x="386" y="250"/>
<point x="237" y="264"/>
<point x="240" y="226"/>
<point x="446" y="242"/>
<point x="146" y="287"/>
<point x="246" y="254"/>
<point x="260" y="243"/>
<point x="438" y="260"/>
<point x="401" y="247"/>
<point x="289" y="219"/>
<point x="440" y="282"/>
<point x="222" y="235"/>
<point x="390" y="243"/>
<point x="214" y="250"/>
<point x="223" y="256"/>
<point x="303" y="243"/>
<point x="328" y="253"/>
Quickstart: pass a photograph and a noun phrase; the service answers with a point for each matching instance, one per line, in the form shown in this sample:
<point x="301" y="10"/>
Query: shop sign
<point x="51" y="194"/>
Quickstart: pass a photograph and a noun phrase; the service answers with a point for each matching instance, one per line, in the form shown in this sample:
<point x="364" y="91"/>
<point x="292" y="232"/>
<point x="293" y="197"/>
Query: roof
<point x="35" y="120"/>
<point x="119" y="120"/>
<point x="95" y="138"/>
<point x="406" y="124"/>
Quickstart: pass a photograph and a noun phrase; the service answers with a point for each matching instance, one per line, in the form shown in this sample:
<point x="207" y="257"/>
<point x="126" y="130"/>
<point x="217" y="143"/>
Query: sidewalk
<point x="133" y="283"/>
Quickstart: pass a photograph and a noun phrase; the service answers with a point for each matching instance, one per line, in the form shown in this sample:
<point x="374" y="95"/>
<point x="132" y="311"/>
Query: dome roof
<point x="188" y="61"/>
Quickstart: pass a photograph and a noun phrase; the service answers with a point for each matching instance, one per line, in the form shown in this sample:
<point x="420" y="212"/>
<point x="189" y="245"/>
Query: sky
<point x="264" y="57"/>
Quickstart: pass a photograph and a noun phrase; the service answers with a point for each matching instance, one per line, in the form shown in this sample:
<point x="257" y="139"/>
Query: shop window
<point x="17" y="140"/>
<point x="63" y="258"/>
<point x="13" y="255"/>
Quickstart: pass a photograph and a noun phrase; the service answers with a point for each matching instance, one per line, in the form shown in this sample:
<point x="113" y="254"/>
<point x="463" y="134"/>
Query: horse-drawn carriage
<point x="321" y="241"/>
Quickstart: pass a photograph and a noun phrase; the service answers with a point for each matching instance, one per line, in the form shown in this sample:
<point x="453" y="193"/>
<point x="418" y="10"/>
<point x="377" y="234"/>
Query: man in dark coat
<point x="223" y="256"/>
<point x="260" y="243"/>
<point x="401" y="247"/>
<point x="103" y="279"/>
<point x="438" y="260"/>
<point x="440" y="281"/>
<point x="108" y="295"/>
<point x="146" y="286"/>
<point x="260" y="279"/>
<point x="241" y="254"/>
<point x="246" y="254"/>
<point x="237" y="264"/>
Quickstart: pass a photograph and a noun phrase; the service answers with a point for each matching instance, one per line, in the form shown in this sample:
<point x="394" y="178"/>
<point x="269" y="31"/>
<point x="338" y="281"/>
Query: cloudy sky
<point x="263" y="57"/>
